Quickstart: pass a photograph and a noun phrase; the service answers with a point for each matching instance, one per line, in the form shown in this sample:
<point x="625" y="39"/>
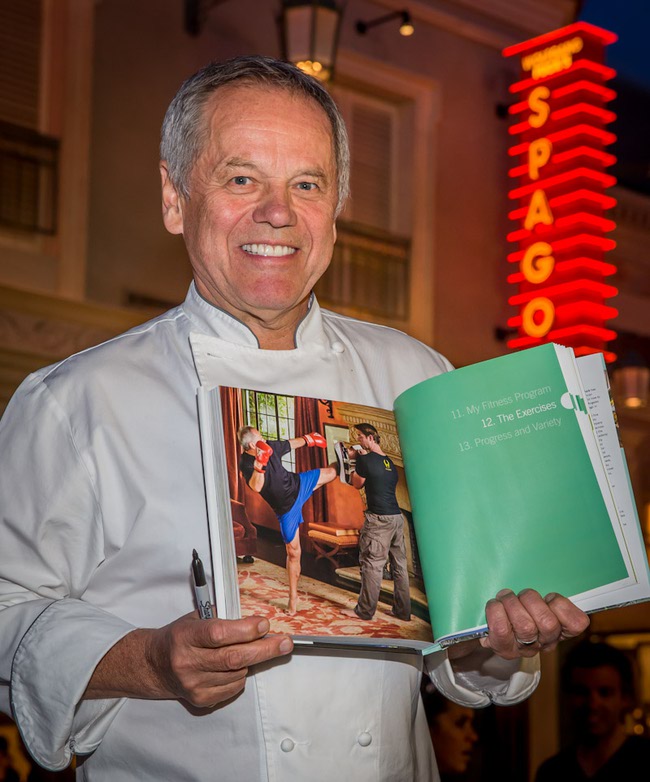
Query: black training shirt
<point x="281" y="487"/>
<point x="381" y="479"/>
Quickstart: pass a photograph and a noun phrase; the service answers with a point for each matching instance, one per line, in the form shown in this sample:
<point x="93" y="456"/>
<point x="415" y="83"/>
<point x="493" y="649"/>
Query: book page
<point x="302" y="498"/>
<point x="601" y="409"/>
<point x="503" y="488"/>
<point x="223" y="563"/>
<point x="576" y="398"/>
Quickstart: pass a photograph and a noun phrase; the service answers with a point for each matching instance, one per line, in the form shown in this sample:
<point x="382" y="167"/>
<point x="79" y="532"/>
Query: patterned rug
<point x="264" y="591"/>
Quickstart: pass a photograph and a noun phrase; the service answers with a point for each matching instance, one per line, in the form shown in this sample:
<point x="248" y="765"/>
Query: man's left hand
<point x="523" y="625"/>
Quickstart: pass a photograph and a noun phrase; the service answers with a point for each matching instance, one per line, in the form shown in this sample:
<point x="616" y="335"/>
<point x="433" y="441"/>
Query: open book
<point x="510" y="474"/>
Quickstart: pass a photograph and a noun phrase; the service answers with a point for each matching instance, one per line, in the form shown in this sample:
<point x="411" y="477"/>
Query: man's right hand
<point x="202" y="661"/>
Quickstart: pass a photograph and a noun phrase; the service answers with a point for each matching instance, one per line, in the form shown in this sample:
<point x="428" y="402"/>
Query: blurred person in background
<point x="452" y="732"/>
<point x="599" y="683"/>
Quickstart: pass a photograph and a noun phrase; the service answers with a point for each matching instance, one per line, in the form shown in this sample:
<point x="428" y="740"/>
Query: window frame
<point x="285" y="424"/>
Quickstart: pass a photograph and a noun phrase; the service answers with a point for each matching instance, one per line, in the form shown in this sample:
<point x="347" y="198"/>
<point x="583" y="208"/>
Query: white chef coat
<point x="102" y="503"/>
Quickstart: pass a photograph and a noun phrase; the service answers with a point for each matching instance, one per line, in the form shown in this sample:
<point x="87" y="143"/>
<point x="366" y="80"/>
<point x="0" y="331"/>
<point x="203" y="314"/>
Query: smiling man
<point x="101" y="653"/>
<point x="259" y="224"/>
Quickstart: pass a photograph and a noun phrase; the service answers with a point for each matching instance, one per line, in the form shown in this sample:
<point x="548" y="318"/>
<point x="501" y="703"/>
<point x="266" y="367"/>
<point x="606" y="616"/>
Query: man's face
<point x="259" y="221"/>
<point x="365" y="441"/>
<point x="597" y="700"/>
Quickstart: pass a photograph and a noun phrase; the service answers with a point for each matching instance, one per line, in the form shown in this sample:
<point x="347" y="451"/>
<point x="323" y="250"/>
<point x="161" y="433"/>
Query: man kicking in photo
<point x="286" y="492"/>
<point x="382" y="535"/>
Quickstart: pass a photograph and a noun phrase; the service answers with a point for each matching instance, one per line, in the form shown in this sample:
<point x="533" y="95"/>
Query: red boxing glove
<point x="315" y="439"/>
<point x="264" y="453"/>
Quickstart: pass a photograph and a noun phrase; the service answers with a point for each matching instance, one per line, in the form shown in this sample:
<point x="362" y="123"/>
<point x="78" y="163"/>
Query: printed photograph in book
<point x="322" y="518"/>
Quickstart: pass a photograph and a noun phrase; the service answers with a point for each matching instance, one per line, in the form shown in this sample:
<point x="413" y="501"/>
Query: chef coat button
<point x="364" y="739"/>
<point x="286" y="745"/>
<point x="338" y="347"/>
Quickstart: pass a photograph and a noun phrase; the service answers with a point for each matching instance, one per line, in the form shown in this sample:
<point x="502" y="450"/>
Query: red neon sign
<point x="559" y="179"/>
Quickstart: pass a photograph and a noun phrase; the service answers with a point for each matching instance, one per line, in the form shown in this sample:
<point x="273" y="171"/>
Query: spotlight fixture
<point x="310" y="33"/>
<point x="405" y="28"/>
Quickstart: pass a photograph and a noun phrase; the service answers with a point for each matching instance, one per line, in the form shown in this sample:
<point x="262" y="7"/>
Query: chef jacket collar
<point x="215" y="321"/>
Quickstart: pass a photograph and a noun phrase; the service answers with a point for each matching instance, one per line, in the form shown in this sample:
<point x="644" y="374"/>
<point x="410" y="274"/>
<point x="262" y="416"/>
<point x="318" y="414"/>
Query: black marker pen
<point x="201" y="588"/>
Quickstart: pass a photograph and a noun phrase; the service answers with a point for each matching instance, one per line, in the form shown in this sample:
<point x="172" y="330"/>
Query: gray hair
<point x="184" y="130"/>
<point x="246" y="437"/>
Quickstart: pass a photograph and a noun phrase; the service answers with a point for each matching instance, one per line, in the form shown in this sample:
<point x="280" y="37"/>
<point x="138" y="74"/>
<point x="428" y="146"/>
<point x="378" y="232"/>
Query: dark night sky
<point x="630" y="57"/>
<point x="630" y="20"/>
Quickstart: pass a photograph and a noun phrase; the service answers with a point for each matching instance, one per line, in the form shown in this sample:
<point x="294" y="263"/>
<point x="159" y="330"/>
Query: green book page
<point x="502" y="488"/>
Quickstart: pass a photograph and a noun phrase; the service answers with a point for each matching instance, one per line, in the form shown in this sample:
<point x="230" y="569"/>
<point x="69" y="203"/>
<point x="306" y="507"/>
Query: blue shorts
<point x="292" y="519"/>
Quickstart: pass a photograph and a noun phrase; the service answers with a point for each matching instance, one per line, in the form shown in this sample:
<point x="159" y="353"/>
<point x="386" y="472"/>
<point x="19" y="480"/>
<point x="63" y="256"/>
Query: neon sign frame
<point x="560" y="178"/>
